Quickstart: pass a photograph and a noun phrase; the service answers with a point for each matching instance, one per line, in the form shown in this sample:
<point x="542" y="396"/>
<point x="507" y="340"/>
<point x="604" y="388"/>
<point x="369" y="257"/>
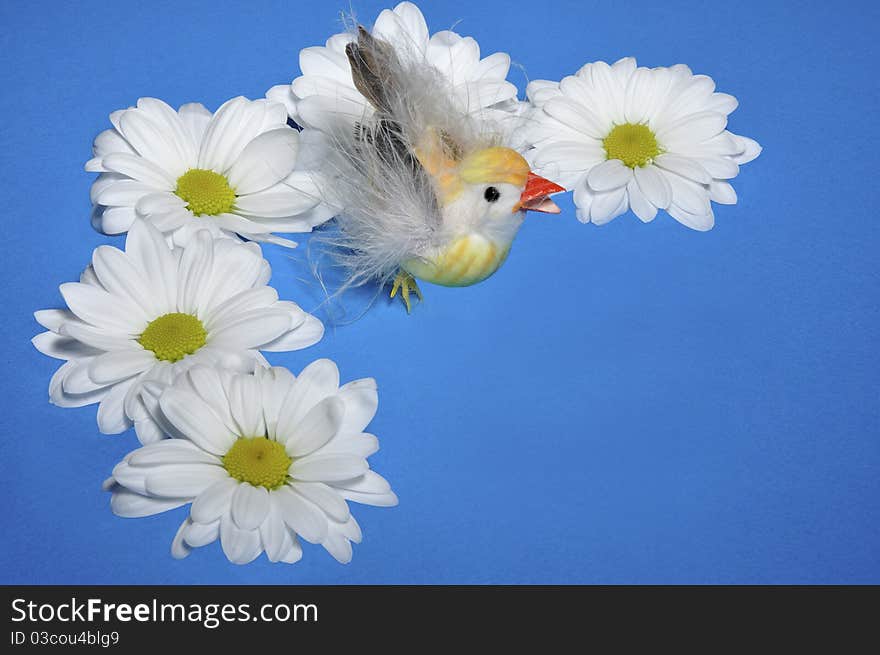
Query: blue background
<point x="625" y="404"/>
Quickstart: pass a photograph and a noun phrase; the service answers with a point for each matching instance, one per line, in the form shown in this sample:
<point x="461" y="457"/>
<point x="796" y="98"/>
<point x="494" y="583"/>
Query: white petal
<point x="404" y="27"/>
<point x="102" y="309"/>
<point x="240" y="546"/>
<point x="152" y="142"/>
<point x="249" y="506"/>
<point x="159" y="203"/>
<point x="723" y="168"/>
<point x="325" y="497"/>
<point x="607" y="206"/>
<point x="171" y="451"/>
<point x="692" y="129"/>
<point x="120" y="277"/>
<point x="274" y="535"/>
<point x="570" y="158"/>
<point x="339" y="547"/>
<point x="303" y="516"/>
<point x="115" y="366"/>
<point x="368" y="483"/>
<point x="77" y="379"/>
<point x="331" y="114"/>
<point x="749" y="149"/>
<point x="235" y="124"/>
<point x="684" y="166"/>
<point x="214" y="501"/>
<point x="195" y="419"/>
<point x="688" y="195"/>
<point x="654" y="185"/>
<point x="362" y="444"/>
<point x="182" y="480"/>
<point x="316" y="60"/>
<point x="111" y="411"/>
<point x="60" y="347"/>
<point x="317" y="381"/>
<point x="148" y="248"/>
<point x="316" y="428"/>
<point x="292" y="549"/>
<point x="608" y="175"/>
<point x="377" y="500"/>
<point x="723" y="103"/>
<point x="98" y="338"/>
<point x="282" y="93"/>
<point x="179" y="549"/>
<point x="244" y="403"/>
<point x="251" y="329"/>
<point x="328" y="468"/>
<point x="201" y="534"/>
<point x="195" y="272"/>
<point x="129" y="504"/>
<point x="276" y="202"/>
<point x="140" y="169"/>
<point x="110" y="141"/>
<point x="640" y="205"/>
<point x="583" y="199"/>
<point x="52" y="319"/>
<point x="195" y="118"/>
<point x="576" y="117"/>
<point x="275" y="383"/>
<point x="700" y="222"/>
<point x="361" y="401"/>
<point x="722" y="193"/>
<point x="306" y="334"/>
<point x="265" y="161"/>
<point x="131" y="477"/>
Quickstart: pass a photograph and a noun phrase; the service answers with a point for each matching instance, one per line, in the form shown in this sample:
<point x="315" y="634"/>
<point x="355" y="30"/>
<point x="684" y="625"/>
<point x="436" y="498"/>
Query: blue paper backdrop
<point x="631" y="403"/>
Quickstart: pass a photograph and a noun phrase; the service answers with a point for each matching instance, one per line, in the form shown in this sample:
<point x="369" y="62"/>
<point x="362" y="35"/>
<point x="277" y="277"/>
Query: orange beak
<point x="536" y="195"/>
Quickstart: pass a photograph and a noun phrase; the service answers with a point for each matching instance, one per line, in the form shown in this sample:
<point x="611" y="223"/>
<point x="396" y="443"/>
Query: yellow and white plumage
<point x="424" y="188"/>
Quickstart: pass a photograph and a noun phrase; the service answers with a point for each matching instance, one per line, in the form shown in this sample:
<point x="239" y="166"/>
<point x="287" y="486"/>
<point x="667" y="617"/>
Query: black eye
<point x="492" y="194"/>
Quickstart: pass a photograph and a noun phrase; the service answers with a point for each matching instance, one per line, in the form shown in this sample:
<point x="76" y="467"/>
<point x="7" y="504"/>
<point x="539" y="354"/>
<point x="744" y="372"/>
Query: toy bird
<point x="426" y="191"/>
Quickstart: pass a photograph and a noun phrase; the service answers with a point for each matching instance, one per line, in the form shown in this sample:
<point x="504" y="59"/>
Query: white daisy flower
<point x="153" y="311"/>
<point x="647" y="139"/>
<point x="263" y="459"/>
<point x="242" y="170"/>
<point x="325" y="91"/>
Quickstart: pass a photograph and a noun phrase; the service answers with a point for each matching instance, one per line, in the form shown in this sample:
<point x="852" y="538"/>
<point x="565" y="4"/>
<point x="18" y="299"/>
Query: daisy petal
<point x="193" y="418"/>
<point x="328" y="468"/>
<point x="129" y="504"/>
<point x="301" y="515"/>
<point x="249" y="506"/>
<point x="609" y="175"/>
<point x="265" y="161"/>
<point x="317" y="427"/>
<point x="182" y="480"/>
<point x="240" y="546"/>
<point x="654" y="185"/>
<point x="324" y="497"/>
<point x="640" y="205"/>
<point x="214" y="501"/>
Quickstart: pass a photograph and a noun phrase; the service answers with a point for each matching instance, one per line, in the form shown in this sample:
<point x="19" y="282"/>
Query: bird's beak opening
<point x="536" y="195"/>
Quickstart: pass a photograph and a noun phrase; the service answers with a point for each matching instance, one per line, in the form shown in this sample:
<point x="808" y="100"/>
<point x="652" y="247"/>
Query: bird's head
<point x="483" y="197"/>
<point x="502" y="179"/>
<point x="485" y="187"/>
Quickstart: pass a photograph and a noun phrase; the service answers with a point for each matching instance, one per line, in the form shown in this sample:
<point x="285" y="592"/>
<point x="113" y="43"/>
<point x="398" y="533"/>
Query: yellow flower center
<point x="174" y="336"/>
<point x="206" y="192"/>
<point x="632" y="143"/>
<point x="258" y="461"/>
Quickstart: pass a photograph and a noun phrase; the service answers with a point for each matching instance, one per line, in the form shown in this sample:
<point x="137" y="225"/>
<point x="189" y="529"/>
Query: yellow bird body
<point x="469" y="259"/>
